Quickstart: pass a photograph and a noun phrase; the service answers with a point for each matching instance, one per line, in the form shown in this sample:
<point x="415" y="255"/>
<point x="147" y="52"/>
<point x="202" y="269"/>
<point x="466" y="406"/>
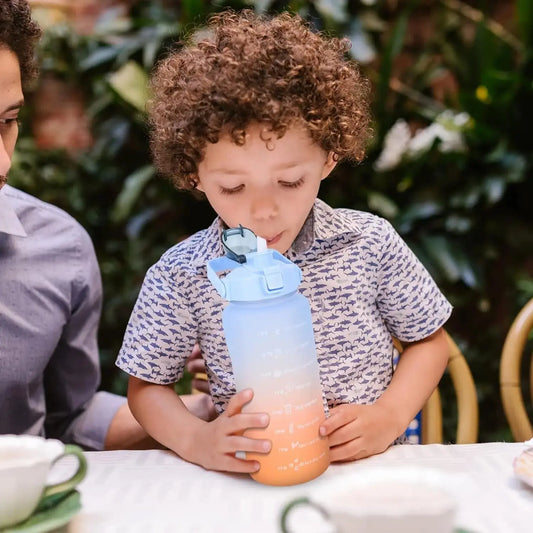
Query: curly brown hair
<point x="19" y="33"/>
<point x="255" y="69"/>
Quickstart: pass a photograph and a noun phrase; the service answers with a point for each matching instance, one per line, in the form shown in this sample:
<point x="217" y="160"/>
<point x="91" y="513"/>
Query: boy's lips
<point x="274" y="239"/>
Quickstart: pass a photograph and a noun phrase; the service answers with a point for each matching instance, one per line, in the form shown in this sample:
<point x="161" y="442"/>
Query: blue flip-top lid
<point x="255" y="272"/>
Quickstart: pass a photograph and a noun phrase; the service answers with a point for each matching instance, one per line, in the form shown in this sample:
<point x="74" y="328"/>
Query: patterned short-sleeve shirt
<point x="362" y="281"/>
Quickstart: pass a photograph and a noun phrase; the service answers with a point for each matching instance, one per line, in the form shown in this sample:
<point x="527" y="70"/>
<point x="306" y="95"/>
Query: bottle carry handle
<point x="218" y="265"/>
<point x="273" y="277"/>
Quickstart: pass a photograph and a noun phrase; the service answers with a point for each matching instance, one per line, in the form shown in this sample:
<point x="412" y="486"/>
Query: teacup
<point x="25" y="462"/>
<point x="403" y="500"/>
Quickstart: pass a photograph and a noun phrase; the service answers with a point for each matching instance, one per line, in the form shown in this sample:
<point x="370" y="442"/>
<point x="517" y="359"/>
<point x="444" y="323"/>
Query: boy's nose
<point x="264" y="207"/>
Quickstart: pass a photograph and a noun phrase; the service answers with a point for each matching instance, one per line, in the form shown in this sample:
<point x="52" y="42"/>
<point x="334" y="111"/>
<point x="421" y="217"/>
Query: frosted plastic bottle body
<point x="272" y="349"/>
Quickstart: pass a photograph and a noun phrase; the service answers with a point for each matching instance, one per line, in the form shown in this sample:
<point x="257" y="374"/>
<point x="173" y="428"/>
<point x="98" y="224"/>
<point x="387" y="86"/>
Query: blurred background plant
<point x="450" y="163"/>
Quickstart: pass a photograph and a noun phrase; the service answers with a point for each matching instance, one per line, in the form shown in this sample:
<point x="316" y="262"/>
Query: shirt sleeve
<point x="409" y="300"/>
<point x="162" y="330"/>
<point x="74" y="412"/>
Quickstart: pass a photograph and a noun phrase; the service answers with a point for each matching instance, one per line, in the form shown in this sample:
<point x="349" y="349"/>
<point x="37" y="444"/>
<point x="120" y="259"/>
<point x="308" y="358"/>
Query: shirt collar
<point x="322" y="224"/>
<point x="9" y="221"/>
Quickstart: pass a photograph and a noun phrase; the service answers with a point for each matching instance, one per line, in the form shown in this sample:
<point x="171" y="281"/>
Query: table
<point x="155" y="491"/>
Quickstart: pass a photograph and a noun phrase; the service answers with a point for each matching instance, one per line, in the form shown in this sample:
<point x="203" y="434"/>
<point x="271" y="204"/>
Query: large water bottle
<point x="269" y="335"/>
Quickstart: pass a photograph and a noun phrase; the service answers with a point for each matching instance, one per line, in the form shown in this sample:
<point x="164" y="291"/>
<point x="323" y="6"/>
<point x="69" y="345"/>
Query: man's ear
<point x="199" y="187"/>
<point x="329" y="165"/>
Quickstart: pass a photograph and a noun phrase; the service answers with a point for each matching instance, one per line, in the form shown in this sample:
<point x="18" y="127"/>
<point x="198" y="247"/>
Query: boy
<point x="255" y="117"/>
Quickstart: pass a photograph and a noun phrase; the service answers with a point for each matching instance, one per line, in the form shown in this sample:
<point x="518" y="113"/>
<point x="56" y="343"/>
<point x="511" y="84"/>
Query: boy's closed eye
<point x="232" y="190"/>
<point x="292" y="184"/>
<point x="287" y="184"/>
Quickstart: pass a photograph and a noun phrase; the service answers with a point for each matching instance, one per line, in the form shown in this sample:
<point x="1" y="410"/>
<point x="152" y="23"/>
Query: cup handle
<point x="70" y="483"/>
<point x="297" y="503"/>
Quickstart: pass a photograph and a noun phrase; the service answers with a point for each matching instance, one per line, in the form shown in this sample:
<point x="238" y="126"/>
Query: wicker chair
<point x="467" y="404"/>
<point x="510" y="381"/>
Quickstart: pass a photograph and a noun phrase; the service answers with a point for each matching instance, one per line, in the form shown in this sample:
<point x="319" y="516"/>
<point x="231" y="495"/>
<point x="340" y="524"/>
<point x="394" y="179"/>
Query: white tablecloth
<point x="155" y="491"/>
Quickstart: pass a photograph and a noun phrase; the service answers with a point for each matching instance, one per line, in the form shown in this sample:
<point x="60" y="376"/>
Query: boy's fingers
<point x="347" y="452"/>
<point x="196" y="352"/>
<point x="238" y="401"/>
<point x="344" y="434"/>
<point x="330" y="425"/>
<point x="243" y="444"/>
<point x="339" y="416"/>
<point x="240" y="422"/>
<point x="200" y="385"/>
<point x="196" y="366"/>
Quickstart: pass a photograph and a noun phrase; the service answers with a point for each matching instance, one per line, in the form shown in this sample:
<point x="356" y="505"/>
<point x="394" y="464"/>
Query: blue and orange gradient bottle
<point x="269" y="334"/>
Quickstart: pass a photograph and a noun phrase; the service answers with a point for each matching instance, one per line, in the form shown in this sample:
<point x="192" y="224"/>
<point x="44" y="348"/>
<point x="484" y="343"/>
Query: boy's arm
<point x="357" y="431"/>
<point x="125" y="432"/>
<point x="213" y="444"/>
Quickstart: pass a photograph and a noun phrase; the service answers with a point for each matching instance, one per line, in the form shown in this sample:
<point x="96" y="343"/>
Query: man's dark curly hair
<point x="243" y="69"/>
<point x="19" y="33"/>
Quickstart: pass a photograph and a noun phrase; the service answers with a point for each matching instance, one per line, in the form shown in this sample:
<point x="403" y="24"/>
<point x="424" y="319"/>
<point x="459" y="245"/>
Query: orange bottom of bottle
<point x="282" y="468"/>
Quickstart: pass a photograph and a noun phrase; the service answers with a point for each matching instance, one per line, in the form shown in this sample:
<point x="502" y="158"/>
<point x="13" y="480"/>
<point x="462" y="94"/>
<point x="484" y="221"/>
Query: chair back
<point x="467" y="403"/>
<point x="510" y="380"/>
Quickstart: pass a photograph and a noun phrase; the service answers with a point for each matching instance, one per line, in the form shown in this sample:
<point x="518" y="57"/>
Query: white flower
<point x="447" y="128"/>
<point x="394" y="146"/>
<point x="450" y="141"/>
<point x="398" y="144"/>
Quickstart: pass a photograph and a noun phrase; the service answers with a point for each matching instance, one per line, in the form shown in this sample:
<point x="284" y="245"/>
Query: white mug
<point x="399" y="500"/>
<point x="25" y="462"/>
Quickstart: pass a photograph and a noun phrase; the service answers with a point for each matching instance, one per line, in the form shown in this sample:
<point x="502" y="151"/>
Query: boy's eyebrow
<point x="236" y="172"/>
<point x="16" y="105"/>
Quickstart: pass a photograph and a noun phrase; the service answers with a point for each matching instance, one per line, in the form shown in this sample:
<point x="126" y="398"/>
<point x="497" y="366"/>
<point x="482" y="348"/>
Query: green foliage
<point x="460" y="195"/>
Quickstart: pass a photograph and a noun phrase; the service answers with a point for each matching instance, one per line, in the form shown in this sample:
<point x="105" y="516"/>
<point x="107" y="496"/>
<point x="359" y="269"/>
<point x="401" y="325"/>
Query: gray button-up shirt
<point x="362" y="281"/>
<point x="50" y="301"/>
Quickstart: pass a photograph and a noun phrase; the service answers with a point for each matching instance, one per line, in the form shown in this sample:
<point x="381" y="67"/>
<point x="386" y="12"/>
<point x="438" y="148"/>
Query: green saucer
<point x="53" y="512"/>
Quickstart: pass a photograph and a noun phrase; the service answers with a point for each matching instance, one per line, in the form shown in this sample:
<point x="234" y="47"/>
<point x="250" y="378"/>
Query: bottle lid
<point x="256" y="272"/>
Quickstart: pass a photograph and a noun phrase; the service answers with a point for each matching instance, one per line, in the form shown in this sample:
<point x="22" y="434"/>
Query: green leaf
<point x="192" y="9"/>
<point x="130" y="82"/>
<point x="458" y="224"/>
<point x="524" y="18"/>
<point x="438" y="249"/>
<point x="392" y="49"/>
<point x="130" y="193"/>
<point x="422" y="210"/>
<point x="382" y="204"/>
<point x="451" y="260"/>
<point x="98" y="57"/>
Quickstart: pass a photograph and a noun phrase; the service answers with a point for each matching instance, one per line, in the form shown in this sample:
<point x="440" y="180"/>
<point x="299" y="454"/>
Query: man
<point x="50" y="293"/>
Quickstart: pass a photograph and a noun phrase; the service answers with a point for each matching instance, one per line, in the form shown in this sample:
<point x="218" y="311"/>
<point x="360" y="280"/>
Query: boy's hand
<point x="358" y="431"/>
<point x="196" y="366"/>
<point x="214" y="444"/>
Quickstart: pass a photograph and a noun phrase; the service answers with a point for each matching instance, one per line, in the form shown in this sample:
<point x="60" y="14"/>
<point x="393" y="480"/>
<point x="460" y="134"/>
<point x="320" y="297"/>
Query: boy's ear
<point x="199" y="187"/>
<point x="329" y="165"/>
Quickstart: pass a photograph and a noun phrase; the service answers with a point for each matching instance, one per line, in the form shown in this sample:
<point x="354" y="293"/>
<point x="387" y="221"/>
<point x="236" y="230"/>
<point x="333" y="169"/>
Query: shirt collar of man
<point x="9" y="220"/>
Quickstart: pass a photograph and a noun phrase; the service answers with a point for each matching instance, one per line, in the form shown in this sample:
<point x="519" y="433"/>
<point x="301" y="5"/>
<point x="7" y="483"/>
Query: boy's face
<point x="11" y="100"/>
<point x="268" y="187"/>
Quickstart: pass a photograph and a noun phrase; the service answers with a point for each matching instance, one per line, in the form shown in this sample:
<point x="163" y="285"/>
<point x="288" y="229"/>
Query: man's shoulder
<point x="40" y="214"/>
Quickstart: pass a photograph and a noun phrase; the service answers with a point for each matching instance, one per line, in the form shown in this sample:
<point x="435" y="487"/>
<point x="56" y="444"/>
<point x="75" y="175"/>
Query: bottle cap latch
<point x="253" y="271"/>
